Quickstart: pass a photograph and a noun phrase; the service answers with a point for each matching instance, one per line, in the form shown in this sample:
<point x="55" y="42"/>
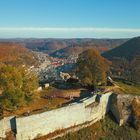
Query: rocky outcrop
<point x="121" y="107"/>
<point x="136" y="114"/>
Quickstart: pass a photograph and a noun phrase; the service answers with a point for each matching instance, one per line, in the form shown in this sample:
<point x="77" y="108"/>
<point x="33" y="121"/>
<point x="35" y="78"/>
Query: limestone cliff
<point x="121" y="107"/>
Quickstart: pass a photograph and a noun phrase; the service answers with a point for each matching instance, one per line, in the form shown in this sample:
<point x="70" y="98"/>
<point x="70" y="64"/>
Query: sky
<point x="69" y="18"/>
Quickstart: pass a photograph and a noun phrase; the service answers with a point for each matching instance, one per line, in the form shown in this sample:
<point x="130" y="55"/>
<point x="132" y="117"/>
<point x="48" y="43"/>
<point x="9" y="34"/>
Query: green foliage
<point x="17" y="84"/>
<point x="92" y="68"/>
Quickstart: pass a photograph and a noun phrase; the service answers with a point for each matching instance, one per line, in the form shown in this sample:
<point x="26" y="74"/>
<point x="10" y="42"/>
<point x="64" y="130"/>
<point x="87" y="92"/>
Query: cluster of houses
<point x="58" y="62"/>
<point x="50" y="67"/>
<point x="53" y="69"/>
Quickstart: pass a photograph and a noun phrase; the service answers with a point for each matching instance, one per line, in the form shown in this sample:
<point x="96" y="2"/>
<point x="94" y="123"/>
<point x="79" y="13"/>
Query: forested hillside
<point x="16" y="53"/>
<point x="128" y="50"/>
<point x="66" y="47"/>
<point x="126" y="60"/>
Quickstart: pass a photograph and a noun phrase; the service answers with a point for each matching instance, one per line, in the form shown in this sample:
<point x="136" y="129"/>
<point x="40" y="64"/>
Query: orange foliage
<point x="15" y="53"/>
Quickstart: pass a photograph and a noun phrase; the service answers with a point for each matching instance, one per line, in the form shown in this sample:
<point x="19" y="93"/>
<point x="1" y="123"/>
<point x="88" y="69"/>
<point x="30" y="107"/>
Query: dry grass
<point x="128" y="89"/>
<point x="51" y="91"/>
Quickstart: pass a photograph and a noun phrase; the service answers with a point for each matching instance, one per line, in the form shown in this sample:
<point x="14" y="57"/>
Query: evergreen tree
<point x="18" y="85"/>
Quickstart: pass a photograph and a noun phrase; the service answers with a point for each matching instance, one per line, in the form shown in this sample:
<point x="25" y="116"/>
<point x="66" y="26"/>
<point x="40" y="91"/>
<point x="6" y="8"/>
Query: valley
<point x="69" y="70"/>
<point x="59" y="85"/>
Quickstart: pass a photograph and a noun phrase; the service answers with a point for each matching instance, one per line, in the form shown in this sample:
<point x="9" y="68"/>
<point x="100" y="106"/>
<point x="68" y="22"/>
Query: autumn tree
<point x="92" y="68"/>
<point x="18" y="85"/>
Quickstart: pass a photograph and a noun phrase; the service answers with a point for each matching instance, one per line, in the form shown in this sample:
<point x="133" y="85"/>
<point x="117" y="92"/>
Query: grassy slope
<point x="106" y="129"/>
<point x="129" y="89"/>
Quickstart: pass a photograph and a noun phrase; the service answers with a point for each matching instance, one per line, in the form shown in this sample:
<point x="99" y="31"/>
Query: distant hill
<point x="16" y="53"/>
<point x="126" y="61"/>
<point x="76" y="46"/>
<point x="66" y="47"/>
<point x="129" y="50"/>
<point x="66" y="52"/>
<point x="45" y="46"/>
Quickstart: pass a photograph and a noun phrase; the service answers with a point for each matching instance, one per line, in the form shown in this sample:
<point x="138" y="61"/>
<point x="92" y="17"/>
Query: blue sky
<point x="69" y="18"/>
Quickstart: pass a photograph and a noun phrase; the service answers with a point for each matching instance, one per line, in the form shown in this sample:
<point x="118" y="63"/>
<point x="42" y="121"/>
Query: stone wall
<point x="86" y="110"/>
<point x="5" y="126"/>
